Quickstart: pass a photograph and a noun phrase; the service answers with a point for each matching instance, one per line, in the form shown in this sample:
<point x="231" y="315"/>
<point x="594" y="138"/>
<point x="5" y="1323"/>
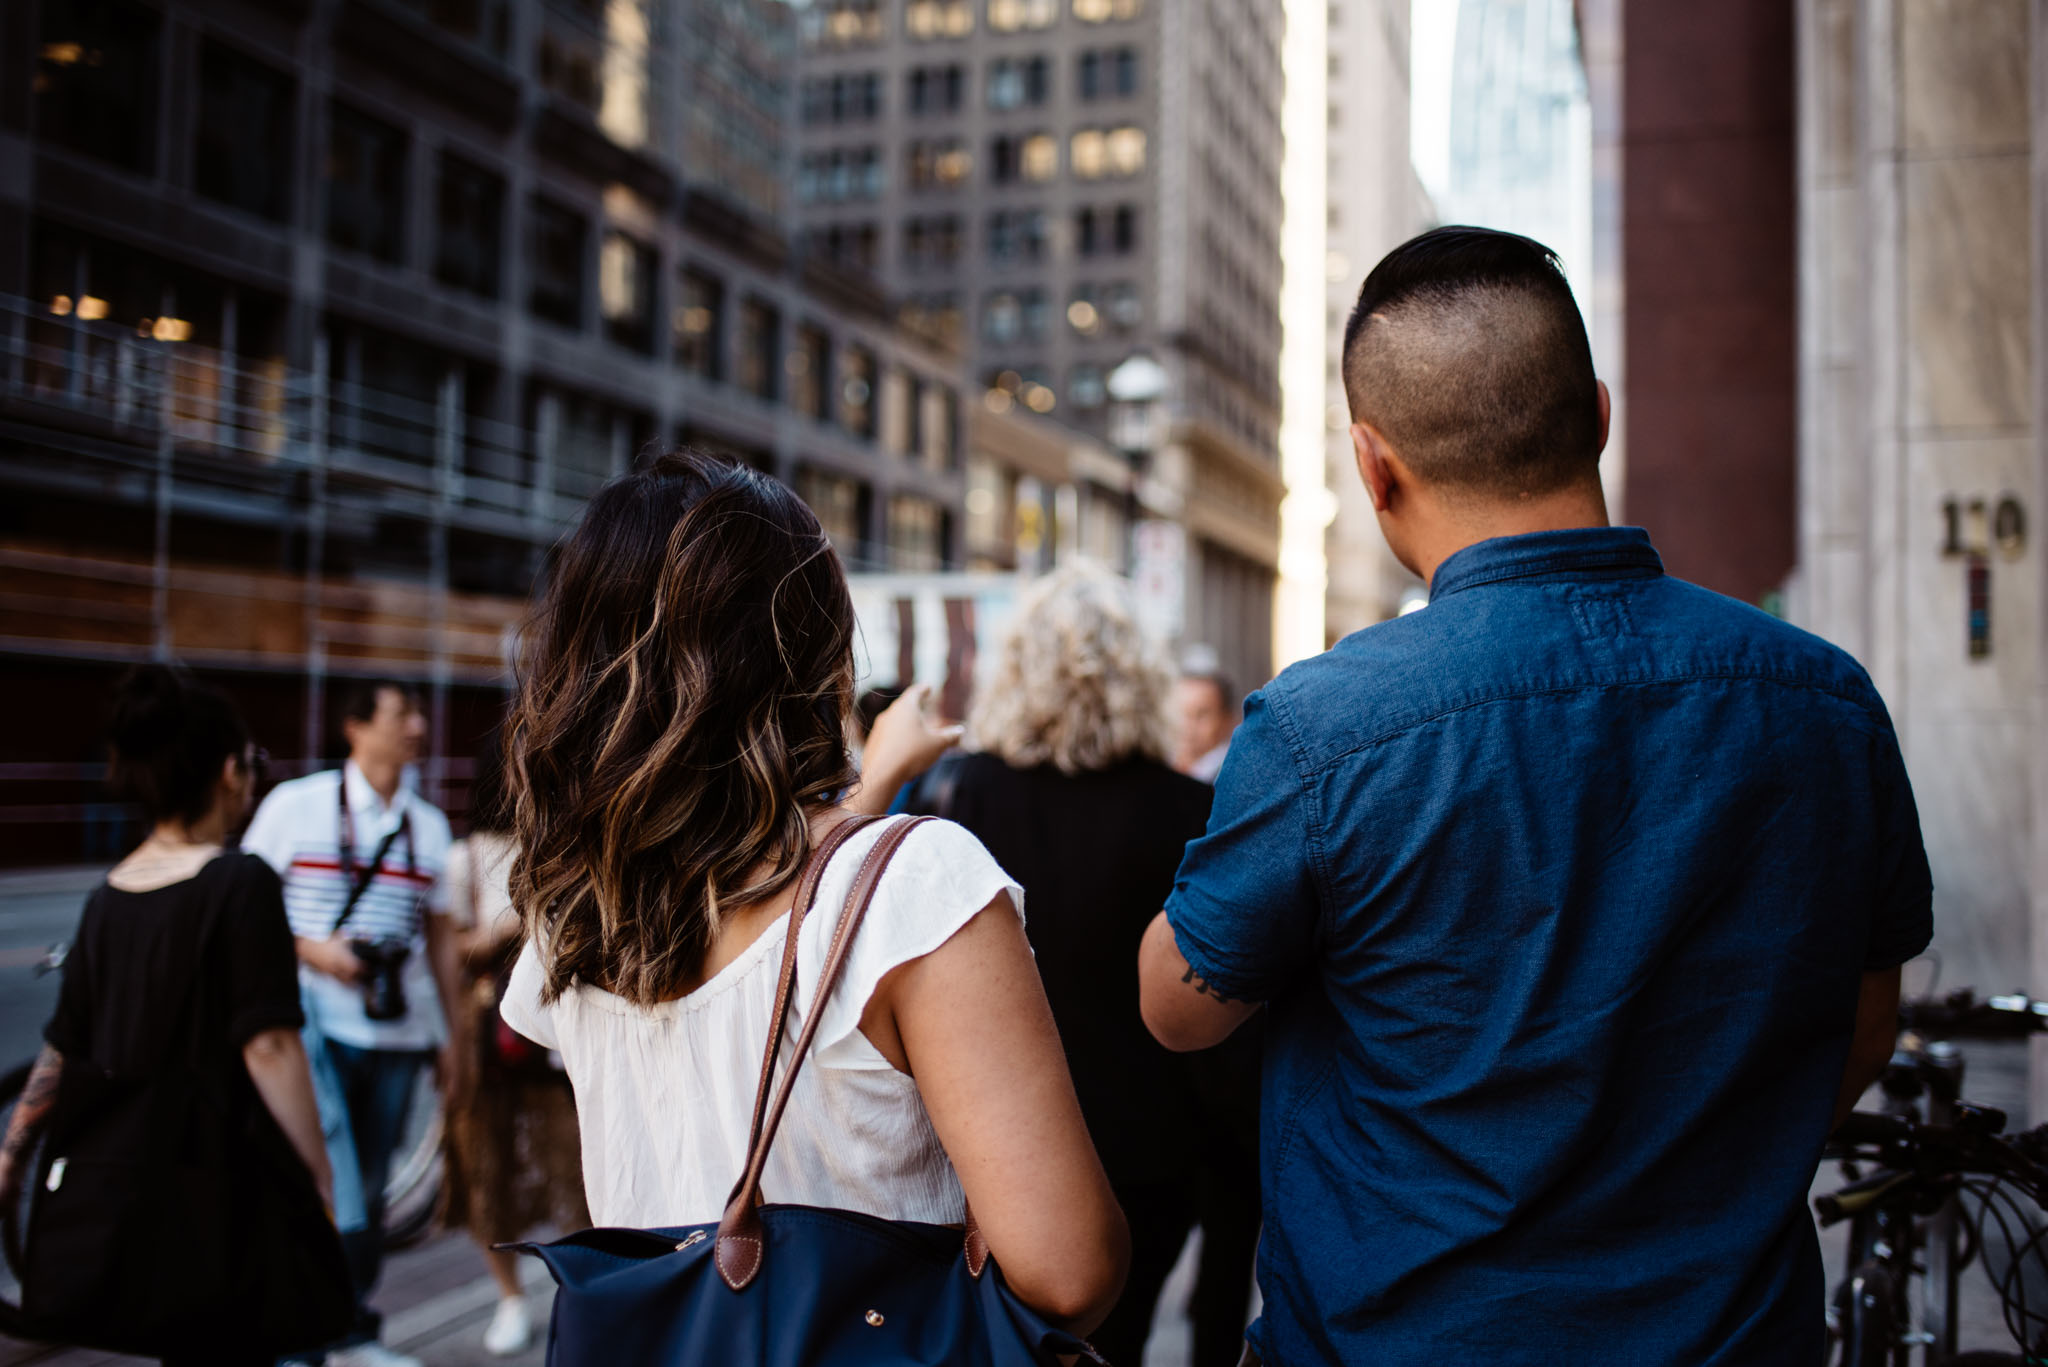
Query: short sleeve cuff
<point x="1209" y="963"/>
<point x="1912" y="931"/>
<point x="253" y="1021"/>
<point x="940" y="879"/>
<point x="521" y="1006"/>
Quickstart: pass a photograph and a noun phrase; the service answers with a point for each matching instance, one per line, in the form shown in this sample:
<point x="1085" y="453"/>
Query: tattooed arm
<point x="38" y="1094"/>
<point x="1181" y="1010"/>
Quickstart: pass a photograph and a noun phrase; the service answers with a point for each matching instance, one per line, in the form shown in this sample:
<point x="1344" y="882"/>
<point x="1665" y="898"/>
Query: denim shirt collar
<point x="1575" y="553"/>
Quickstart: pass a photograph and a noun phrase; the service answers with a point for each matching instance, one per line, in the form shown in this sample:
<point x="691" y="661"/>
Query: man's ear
<point x="1606" y="410"/>
<point x="1373" y="466"/>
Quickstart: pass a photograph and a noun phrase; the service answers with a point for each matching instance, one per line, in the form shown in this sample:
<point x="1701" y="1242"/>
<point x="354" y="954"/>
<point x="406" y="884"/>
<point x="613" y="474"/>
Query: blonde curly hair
<point x="1076" y="682"/>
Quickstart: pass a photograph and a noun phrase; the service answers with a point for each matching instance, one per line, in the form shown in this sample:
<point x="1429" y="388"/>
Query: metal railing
<point x="156" y="393"/>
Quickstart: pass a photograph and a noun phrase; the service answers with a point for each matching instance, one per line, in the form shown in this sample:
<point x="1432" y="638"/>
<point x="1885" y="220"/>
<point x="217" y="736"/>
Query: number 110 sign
<point x="1973" y="529"/>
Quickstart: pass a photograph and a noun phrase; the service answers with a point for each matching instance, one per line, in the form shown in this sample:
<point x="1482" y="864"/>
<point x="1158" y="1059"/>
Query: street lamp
<point x="1135" y="388"/>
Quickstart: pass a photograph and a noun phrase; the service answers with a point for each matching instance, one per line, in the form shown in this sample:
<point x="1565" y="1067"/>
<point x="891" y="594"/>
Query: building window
<point x="856" y="391"/>
<point x="554" y="252"/>
<point x="1015" y="82"/>
<point x="1009" y="16"/>
<point x="1086" y="389"/>
<point x="991" y="514"/>
<point x="840" y="503"/>
<point x="1107" y="73"/>
<point x="625" y="291"/>
<point x="939" y="164"/>
<point x="1017" y="157"/>
<point x="570" y="62"/>
<point x="470" y="212"/>
<point x="931" y="243"/>
<point x="244" y="152"/>
<point x="1107" y="11"/>
<point x="927" y="19"/>
<point x="1097" y="153"/>
<point x="95" y="81"/>
<point x="848" y="244"/>
<point x="809" y="365"/>
<point x="1015" y="316"/>
<point x="937" y="316"/>
<point x="1122" y="305"/>
<point x="365" y="183"/>
<point x="841" y="23"/>
<point x="839" y="174"/>
<point x="700" y="309"/>
<point x="936" y="89"/>
<point x="1016" y="235"/>
<point x="1104" y="231"/>
<point x="847" y="98"/>
<point x="917" y="533"/>
<point x="758" y="349"/>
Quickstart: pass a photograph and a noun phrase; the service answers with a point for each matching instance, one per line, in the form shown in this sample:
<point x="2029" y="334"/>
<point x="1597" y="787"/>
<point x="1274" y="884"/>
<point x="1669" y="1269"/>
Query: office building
<point x="320" y="320"/>
<point x="1375" y="202"/>
<point x="1060" y="186"/>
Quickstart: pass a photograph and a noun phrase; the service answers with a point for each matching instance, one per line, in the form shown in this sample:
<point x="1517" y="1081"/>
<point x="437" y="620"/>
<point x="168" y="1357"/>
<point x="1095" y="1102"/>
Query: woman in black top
<point x="183" y="955"/>
<point x="1067" y="784"/>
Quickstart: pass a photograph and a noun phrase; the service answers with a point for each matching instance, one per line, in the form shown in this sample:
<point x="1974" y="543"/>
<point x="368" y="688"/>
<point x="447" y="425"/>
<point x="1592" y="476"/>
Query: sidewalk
<point x="435" y="1298"/>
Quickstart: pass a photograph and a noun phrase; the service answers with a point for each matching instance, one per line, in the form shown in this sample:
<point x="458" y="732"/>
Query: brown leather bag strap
<point x="785" y="984"/>
<point x="740" y="1245"/>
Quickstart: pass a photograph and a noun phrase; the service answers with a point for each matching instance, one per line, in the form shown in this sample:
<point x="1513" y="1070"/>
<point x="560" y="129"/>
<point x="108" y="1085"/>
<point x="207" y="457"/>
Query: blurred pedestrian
<point x="1207" y="707"/>
<point x="514" y="1157"/>
<point x="361" y="856"/>
<point x="1578" y="897"/>
<point x="678" y="751"/>
<point x="181" y="982"/>
<point x="1066" y="782"/>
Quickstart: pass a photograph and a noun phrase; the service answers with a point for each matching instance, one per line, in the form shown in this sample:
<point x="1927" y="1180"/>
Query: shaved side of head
<point x="1467" y="353"/>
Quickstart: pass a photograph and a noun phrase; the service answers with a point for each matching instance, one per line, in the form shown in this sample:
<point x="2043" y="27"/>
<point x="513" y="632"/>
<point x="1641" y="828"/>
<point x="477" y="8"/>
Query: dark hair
<point x="1467" y="352"/>
<point x="170" y="737"/>
<point x="871" y="704"/>
<point x="687" y="675"/>
<point x="359" y="699"/>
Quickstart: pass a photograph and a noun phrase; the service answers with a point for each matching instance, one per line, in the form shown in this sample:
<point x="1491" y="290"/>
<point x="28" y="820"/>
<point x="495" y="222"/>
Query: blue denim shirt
<point x="1560" y="891"/>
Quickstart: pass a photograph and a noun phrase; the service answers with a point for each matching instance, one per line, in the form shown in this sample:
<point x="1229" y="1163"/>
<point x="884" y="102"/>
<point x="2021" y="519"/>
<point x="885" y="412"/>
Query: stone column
<point x="1917" y="381"/>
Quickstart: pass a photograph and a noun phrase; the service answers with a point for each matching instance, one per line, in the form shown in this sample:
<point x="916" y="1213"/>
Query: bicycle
<point x="1945" y="1192"/>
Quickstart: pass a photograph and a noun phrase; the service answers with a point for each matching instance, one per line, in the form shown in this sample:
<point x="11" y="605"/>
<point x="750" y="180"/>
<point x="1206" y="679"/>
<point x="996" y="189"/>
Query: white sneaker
<point x="371" y="1355"/>
<point x="511" y="1329"/>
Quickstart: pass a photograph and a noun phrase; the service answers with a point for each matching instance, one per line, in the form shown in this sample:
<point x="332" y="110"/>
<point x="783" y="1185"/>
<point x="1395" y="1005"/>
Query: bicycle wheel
<point x="412" y="1195"/>
<point x="1868" y="1318"/>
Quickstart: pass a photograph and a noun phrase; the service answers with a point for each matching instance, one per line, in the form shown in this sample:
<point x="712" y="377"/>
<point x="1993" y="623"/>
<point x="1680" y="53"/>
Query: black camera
<point x="383" y="988"/>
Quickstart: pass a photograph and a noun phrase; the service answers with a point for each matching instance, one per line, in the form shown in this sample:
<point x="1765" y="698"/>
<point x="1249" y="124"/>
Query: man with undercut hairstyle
<point x="1577" y="899"/>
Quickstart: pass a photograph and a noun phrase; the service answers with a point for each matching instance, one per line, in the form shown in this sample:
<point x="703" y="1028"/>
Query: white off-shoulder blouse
<point x="664" y="1094"/>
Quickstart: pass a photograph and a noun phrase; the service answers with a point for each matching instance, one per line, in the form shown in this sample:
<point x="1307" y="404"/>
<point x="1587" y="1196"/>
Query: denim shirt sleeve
<point x="1244" y="906"/>
<point x="1902" y="923"/>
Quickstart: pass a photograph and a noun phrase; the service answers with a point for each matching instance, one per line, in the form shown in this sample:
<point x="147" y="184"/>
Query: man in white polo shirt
<point x="361" y="858"/>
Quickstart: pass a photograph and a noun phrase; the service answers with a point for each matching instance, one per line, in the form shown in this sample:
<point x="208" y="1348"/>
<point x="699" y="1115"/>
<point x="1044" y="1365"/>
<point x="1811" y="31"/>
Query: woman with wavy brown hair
<point x="677" y="751"/>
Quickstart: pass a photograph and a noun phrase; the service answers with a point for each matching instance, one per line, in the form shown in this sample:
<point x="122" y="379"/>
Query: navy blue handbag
<point x="785" y="1285"/>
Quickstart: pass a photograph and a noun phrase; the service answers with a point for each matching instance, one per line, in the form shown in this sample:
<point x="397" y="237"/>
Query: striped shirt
<point x="297" y="831"/>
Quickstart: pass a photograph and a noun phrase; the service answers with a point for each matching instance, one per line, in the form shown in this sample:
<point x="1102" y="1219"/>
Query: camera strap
<point x="363" y="876"/>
